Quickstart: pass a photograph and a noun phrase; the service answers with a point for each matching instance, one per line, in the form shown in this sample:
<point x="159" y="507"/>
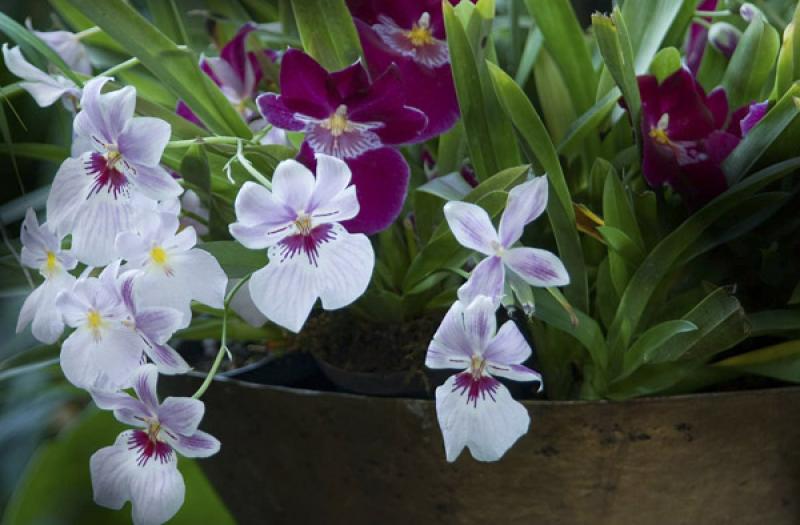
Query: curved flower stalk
<point x="474" y="409"/>
<point x="94" y="197"/>
<point x="142" y="464"/>
<point x="41" y="250"/>
<point x="45" y="89"/>
<point x="112" y="336"/>
<point x="688" y="134"/>
<point x="345" y="116"/>
<point x="68" y="46"/>
<point x="473" y="229"/>
<point x="311" y="255"/>
<point x="171" y="272"/>
<point x="411" y="36"/>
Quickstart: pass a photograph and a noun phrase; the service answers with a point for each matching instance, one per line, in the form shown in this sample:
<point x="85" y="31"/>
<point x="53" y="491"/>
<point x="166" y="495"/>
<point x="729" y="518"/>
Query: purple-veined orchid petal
<point x="754" y="115"/>
<point x="342" y="208"/>
<point x="479" y="323"/>
<point x="537" y="267"/>
<point x="181" y="415"/>
<point x="111" y="468"/>
<point x="480" y="415"/>
<point x="197" y="445"/>
<point x="155" y="182"/>
<point x="118" y="355"/>
<point x="67" y="194"/>
<point x="450" y="347"/>
<point x="103" y="117"/>
<point x="158" y="323"/>
<point x="145" y="383"/>
<point x="167" y="359"/>
<point x="345" y="268"/>
<point x="487" y="279"/>
<point x="472" y="227"/>
<point x="332" y="177"/>
<point x="515" y="372"/>
<point x="285" y="291"/>
<point x="292" y="185"/>
<point x="273" y="109"/>
<point x="156" y="491"/>
<point x="143" y="140"/>
<point x="255" y="205"/>
<point x="68" y="46"/>
<point x="48" y="323"/>
<point x="526" y="202"/>
<point x="258" y="236"/>
<point x="127" y="409"/>
<point x="508" y="347"/>
<point x="96" y="227"/>
<point x="45" y="89"/>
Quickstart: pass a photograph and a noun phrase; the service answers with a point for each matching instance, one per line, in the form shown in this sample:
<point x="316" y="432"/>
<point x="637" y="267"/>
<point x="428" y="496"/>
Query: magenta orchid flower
<point x="411" y="36"/>
<point x="345" y="116"/>
<point x="68" y="46"/>
<point x="311" y="255"/>
<point x="237" y="72"/>
<point x="94" y="197"/>
<point x="688" y="134"/>
<point x="473" y="229"/>
<point x="112" y="335"/>
<point x="171" y="272"/>
<point x="41" y="250"/>
<point x="474" y="409"/>
<point x="698" y="38"/>
<point x="142" y="464"/>
<point x="45" y="89"/>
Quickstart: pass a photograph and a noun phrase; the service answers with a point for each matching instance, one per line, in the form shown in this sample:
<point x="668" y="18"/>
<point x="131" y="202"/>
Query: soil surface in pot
<point x="352" y="344"/>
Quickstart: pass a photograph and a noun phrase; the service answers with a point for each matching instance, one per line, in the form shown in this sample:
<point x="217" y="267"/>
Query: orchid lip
<point x="417" y="43"/>
<point x="339" y="136"/>
<point x="149" y="446"/>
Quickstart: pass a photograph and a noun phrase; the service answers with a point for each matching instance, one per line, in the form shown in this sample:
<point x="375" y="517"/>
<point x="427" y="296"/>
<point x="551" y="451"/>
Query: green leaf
<point x="450" y="187"/>
<point x="615" y="47"/>
<point x="559" y="206"/>
<point x="564" y="41"/>
<point x="662" y="258"/>
<point x="57" y="489"/>
<point x="490" y="137"/>
<point x="167" y="18"/>
<point x="50" y="152"/>
<point x="443" y="251"/>
<point x="176" y="67"/>
<point x="781" y="361"/>
<point x="617" y="208"/>
<point x="328" y="32"/>
<point x="588" y="122"/>
<point x="559" y="111"/>
<point x="759" y="139"/>
<point x="235" y="259"/>
<point x="651" y="379"/>
<point x="774" y="322"/>
<point x="650" y="342"/>
<point x="22" y="36"/>
<point x="751" y="64"/>
<point x="452" y="149"/>
<point x="665" y="63"/>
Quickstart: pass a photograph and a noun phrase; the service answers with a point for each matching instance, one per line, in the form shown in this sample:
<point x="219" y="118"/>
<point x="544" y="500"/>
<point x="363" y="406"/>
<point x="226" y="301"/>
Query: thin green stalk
<point x="88" y="32"/>
<point x="203" y="140"/>
<point x="110" y="72"/>
<point x="223" y="346"/>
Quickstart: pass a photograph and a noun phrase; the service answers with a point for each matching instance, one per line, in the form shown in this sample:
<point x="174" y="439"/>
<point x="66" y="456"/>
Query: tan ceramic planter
<point x="295" y="456"/>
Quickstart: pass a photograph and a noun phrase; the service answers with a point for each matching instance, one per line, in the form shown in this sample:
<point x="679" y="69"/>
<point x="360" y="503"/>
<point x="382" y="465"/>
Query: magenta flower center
<point x="475" y="382"/>
<point x="106" y="174"/>
<point x="307" y="240"/>
<point x="149" y="446"/>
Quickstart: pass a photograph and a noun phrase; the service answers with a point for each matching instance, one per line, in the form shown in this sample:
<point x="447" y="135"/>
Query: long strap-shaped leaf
<point x="327" y="31"/>
<point x="559" y="207"/>
<point x="176" y="67"/>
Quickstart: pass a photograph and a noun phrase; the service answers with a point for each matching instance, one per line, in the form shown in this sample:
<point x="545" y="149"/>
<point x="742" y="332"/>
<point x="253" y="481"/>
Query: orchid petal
<point x="156" y="492"/>
<point x="197" y="445"/>
<point x="272" y="107"/>
<point x="96" y="227"/>
<point x="471" y="227"/>
<point x="526" y="202"/>
<point x="450" y="347"/>
<point x="285" y="292"/>
<point x="144" y="384"/>
<point x="487" y="279"/>
<point x="156" y="183"/>
<point x="181" y="415"/>
<point x="204" y="276"/>
<point x="292" y="185"/>
<point x="537" y="267"/>
<point x="508" y="347"/>
<point x="345" y="269"/>
<point x="143" y="140"/>
<point x="67" y="194"/>
<point x="167" y="359"/>
<point x="158" y="323"/>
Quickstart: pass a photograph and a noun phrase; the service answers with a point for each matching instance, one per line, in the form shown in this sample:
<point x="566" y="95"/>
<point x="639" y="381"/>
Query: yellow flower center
<point x="338" y="123"/>
<point x="477" y="364"/>
<point x="94" y="319"/>
<point x="113" y="156"/>
<point x="420" y="34"/>
<point x="52" y="262"/>
<point x="153" y="429"/>
<point x="159" y="255"/>
<point x="659" y="132"/>
<point x="303" y="224"/>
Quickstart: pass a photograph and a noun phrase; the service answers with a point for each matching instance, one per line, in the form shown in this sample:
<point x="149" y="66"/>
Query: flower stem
<point x="724" y="12"/>
<point x="202" y="140"/>
<point x="110" y="72"/>
<point x="88" y="32"/>
<point x="223" y="346"/>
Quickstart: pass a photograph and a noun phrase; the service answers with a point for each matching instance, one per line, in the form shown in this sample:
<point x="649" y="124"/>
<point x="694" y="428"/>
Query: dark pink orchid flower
<point x="236" y="71"/>
<point x="698" y="38"/>
<point x="344" y="115"/>
<point x="688" y="134"/>
<point x="412" y="36"/>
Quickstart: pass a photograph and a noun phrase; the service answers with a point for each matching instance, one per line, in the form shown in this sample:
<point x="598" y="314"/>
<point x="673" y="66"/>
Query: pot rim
<point x="530" y="403"/>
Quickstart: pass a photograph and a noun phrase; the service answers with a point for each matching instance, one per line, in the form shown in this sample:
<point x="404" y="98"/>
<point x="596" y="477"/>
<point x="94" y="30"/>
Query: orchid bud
<point x="749" y="12"/>
<point x="724" y="37"/>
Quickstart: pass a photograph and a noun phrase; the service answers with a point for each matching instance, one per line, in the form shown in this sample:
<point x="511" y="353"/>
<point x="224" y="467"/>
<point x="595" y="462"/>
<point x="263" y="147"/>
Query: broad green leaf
<point x="617" y="208"/>
<point x="21" y="35"/>
<point x="559" y="206"/>
<point x="651" y="379"/>
<point x="51" y="152"/>
<point x="784" y="69"/>
<point x="452" y="149"/>
<point x="450" y="187"/>
<point x="588" y="122"/>
<point x="774" y="322"/>
<point x="623" y="256"/>
<point x="752" y="63"/>
<point x="665" y="63"/>
<point x="649" y="343"/>
<point x="235" y="259"/>
<point x="442" y="251"/>
<point x="564" y="40"/>
<point x="176" y="67"/>
<point x="533" y="45"/>
<point x="490" y="137"/>
<point x="615" y="47"/>
<point x="759" y="139"/>
<point x="558" y="111"/>
<point x="648" y="22"/>
<point x="662" y="258"/>
<point x="328" y="32"/>
<point x="167" y="18"/>
<point x="780" y="361"/>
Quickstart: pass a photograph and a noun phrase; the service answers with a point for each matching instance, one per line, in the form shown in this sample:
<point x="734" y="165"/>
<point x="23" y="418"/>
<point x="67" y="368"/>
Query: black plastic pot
<point x="305" y="456"/>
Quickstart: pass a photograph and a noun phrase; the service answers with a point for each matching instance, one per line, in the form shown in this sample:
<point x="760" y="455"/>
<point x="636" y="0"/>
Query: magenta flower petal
<point x="235" y="54"/>
<point x="698" y="37"/>
<point x="275" y="111"/>
<point x="717" y="103"/>
<point x="183" y="110"/>
<point x="755" y="112"/>
<point x="304" y="86"/>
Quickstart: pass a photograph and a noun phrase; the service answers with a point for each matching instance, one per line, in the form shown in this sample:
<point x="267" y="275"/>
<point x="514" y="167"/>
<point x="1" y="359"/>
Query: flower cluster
<point x="119" y="208"/>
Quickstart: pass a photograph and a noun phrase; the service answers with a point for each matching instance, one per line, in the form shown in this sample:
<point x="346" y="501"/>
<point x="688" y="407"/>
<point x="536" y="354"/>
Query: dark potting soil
<point x="355" y="345"/>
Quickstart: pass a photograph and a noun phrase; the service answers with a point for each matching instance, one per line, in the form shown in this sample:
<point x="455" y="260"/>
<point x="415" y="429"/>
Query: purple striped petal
<point x="537" y="267"/>
<point x="525" y="203"/>
<point x="487" y="279"/>
<point x="272" y="108"/>
<point x="508" y="347"/>
<point x="144" y="384"/>
<point x="479" y="323"/>
<point x="450" y="347"/>
<point x="181" y="415"/>
<point x="472" y="227"/>
<point x="158" y="324"/>
<point x="197" y="445"/>
<point x="167" y="359"/>
<point x="143" y="140"/>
